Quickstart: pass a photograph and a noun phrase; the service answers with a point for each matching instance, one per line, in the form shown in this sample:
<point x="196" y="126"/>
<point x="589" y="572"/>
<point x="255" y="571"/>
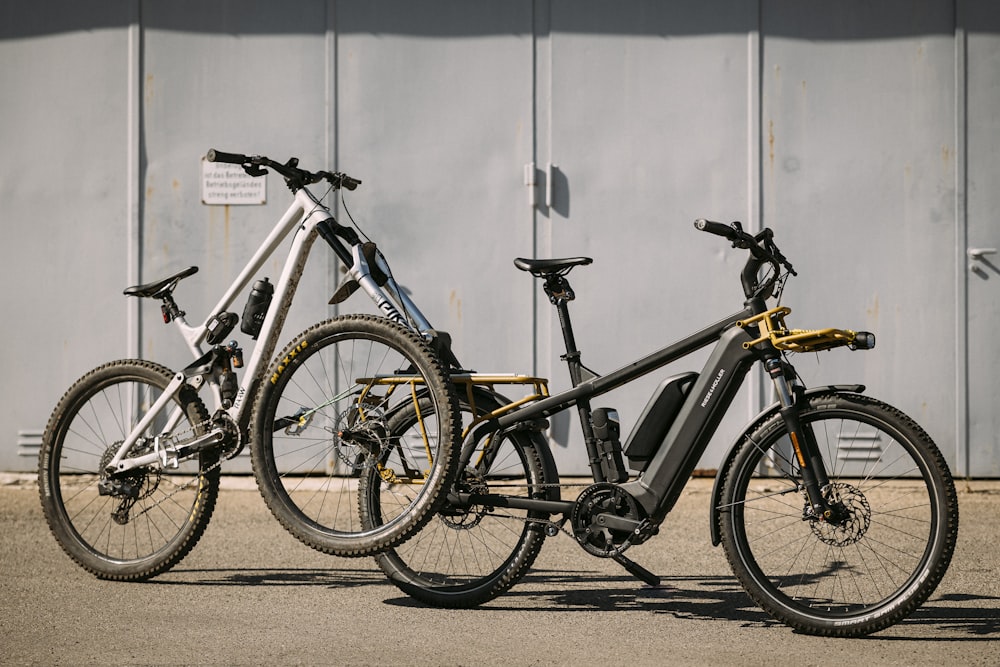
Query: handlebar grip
<point x="349" y="183"/>
<point x="230" y="158"/>
<point x="863" y="340"/>
<point x="716" y="228"/>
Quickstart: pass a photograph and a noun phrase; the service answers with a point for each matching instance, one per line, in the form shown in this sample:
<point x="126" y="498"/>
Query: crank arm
<point x="636" y="570"/>
<point x="615" y="522"/>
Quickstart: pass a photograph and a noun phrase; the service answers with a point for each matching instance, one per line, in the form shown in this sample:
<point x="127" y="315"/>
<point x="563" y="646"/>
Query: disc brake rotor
<point x="465" y="518"/>
<point x="854" y="526"/>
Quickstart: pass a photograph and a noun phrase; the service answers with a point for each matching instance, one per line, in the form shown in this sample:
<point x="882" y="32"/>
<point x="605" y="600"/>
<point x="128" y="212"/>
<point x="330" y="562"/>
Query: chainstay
<point x="175" y="439"/>
<point x="559" y="526"/>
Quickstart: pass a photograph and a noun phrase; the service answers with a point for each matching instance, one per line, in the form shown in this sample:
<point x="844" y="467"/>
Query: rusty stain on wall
<point x="770" y="143"/>
<point x="873" y="311"/>
<point x="455" y="305"/>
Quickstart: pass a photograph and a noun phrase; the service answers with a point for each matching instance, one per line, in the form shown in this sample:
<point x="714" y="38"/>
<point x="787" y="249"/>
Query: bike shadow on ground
<point x="953" y="617"/>
<point x="949" y="617"/>
<point x="278" y="577"/>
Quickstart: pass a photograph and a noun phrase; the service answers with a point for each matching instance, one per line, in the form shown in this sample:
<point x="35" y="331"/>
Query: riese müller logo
<point x="711" y="390"/>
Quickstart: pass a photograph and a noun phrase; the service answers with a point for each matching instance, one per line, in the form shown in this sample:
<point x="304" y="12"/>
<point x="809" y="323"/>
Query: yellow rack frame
<point x="539" y="389"/>
<point x="795" y="340"/>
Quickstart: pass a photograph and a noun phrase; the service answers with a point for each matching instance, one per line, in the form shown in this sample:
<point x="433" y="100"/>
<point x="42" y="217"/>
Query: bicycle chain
<point x="174" y="439"/>
<point x="557" y="526"/>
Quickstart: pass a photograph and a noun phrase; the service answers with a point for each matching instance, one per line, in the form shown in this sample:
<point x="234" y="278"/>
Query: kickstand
<point x="636" y="570"/>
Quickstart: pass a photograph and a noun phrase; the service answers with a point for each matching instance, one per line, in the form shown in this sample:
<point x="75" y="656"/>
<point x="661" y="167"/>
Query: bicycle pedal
<point x="636" y="570"/>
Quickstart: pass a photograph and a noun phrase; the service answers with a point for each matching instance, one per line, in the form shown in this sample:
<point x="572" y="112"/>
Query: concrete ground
<point x="249" y="594"/>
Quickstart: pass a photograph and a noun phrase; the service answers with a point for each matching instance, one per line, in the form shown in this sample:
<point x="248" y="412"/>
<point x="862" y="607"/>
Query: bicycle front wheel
<point x="858" y="575"/>
<point x="321" y="422"/>
<point x="140" y="525"/>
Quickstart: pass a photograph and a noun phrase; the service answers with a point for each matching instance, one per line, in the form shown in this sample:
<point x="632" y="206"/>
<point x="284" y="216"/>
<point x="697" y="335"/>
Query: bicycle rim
<point x="863" y="574"/>
<point x="468" y="555"/>
<point x="321" y="425"/>
<point x="132" y="535"/>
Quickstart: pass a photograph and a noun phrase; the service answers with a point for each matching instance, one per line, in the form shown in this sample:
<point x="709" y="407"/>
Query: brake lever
<point x="339" y="179"/>
<point x="742" y="240"/>
<point x="778" y="257"/>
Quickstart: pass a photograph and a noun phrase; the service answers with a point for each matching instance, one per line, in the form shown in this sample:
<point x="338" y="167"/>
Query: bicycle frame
<point x="754" y="334"/>
<point x="307" y="217"/>
<point x="660" y="483"/>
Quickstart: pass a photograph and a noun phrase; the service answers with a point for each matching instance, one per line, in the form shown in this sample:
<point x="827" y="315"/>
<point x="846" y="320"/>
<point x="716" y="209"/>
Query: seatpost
<point x="560" y="293"/>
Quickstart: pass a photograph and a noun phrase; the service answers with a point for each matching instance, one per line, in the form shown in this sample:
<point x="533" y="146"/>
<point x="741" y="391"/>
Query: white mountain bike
<point x="130" y="462"/>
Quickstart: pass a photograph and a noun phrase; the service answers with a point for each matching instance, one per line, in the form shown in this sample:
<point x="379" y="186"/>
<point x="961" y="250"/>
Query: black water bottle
<point x="256" y="308"/>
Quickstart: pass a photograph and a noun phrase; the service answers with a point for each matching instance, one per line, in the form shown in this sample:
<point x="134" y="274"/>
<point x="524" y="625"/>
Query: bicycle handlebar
<point x="762" y="251"/>
<point x="761" y="246"/>
<point x="295" y="177"/>
<point x="230" y="158"/>
<point x="716" y="228"/>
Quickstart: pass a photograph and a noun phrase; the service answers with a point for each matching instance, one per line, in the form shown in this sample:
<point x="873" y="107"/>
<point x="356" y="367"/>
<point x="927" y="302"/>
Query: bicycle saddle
<point x="154" y="289"/>
<point x="548" y="267"/>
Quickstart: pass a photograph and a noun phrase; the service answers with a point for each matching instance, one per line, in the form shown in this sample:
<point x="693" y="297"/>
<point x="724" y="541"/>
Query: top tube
<point x="605" y="383"/>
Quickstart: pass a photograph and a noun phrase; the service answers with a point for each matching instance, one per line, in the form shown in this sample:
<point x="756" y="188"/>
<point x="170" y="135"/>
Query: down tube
<point x="659" y="486"/>
<point x="274" y="321"/>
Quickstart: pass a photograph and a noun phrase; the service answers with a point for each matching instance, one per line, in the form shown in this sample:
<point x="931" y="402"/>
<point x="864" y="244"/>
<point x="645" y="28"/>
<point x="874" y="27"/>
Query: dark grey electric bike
<point x="837" y="512"/>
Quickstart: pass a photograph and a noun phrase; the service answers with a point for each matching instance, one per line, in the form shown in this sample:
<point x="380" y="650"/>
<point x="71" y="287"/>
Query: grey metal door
<point x="647" y="132"/>
<point x="980" y="454"/>
<point x="434" y="113"/>
<point x="862" y="195"/>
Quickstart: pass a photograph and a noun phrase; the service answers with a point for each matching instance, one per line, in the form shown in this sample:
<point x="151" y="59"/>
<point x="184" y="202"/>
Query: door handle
<point x="531" y="182"/>
<point x="977" y="260"/>
<point x="979" y="253"/>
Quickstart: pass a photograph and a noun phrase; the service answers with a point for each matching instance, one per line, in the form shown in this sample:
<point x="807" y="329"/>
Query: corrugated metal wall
<point x="864" y="133"/>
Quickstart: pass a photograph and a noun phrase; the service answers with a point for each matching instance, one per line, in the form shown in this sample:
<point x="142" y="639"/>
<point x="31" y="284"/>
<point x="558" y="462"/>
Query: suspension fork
<point x="807" y="453"/>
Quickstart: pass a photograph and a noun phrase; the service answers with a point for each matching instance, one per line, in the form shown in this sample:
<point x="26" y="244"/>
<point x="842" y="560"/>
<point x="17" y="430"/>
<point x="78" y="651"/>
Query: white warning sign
<point x="223" y="184"/>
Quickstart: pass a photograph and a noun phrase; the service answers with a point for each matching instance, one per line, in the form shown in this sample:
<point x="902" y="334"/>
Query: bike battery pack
<point x="656" y="418"/>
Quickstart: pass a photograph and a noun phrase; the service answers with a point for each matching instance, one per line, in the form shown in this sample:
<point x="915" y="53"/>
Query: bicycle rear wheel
<point x="862" y="574"/>
<point x="147" y="521"/>
<point x="320" y="424"/>
<point x="467" y="554"/>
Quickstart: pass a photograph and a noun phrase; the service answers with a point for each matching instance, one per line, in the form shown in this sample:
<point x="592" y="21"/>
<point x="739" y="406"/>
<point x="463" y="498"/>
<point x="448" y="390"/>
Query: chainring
<point x="603" y="498"/>
<point x="232" y="441"/>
